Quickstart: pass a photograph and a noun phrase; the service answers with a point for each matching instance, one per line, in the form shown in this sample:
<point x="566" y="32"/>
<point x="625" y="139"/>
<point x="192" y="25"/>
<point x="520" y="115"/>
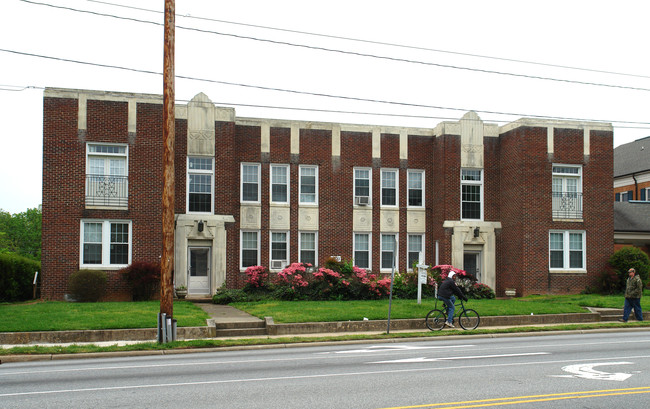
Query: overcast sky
<point x="407" y="63"/>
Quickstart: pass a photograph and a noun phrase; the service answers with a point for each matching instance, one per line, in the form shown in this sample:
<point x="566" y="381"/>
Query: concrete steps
<point x="240" y="329"/>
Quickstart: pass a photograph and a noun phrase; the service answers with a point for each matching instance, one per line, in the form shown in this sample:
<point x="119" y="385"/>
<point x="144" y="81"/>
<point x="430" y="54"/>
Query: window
<point x="362" y="250"/>
<point x="567" y="250"/>
<point x="250" y="182"/>
<point x="415" y="250"/>
<point x="106" y="175"/>
<point x="388" y="251"/>
<point x="308" y="184"/>
<point x="250" y="250"/>
<point x="200" y="186"/>
<point x="389" y="187"/>
<point x="623" y="196"/>
<point x="105" y="243"/>
<point x="308" y="246"/>
<point x="279" y="183"/>
<point x="415" y="188"/>
<point x="279" y="250"/>
<point x="362" y="183"/>
<point x="567" y="191"/>
<point x="471" y="183"/>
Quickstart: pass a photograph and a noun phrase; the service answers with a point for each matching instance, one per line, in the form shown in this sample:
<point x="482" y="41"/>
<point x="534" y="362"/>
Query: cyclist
<point x="446" y="294"/>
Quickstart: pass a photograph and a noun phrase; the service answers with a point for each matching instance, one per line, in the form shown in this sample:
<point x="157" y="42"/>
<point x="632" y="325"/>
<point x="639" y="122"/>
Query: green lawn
<point x="316" y="311"/>
<point x="61" y="316"/>
<point x="58" y="316"/>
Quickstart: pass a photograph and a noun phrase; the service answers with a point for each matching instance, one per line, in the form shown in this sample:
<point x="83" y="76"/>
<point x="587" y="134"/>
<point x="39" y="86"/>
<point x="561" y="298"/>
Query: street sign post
<point x="422" y="279"/>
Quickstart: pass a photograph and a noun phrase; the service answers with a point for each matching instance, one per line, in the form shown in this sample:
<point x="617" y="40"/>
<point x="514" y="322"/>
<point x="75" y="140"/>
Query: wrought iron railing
<point x="567" y="205"/>
<point x="105" y="190"/>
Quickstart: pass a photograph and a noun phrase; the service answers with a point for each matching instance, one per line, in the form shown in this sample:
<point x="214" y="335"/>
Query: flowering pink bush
<point x="293" y="276"/>
<point x="257" y="276"/>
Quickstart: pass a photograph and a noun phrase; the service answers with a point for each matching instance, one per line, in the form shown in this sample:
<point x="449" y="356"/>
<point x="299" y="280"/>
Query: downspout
<point x="636" y="188"/>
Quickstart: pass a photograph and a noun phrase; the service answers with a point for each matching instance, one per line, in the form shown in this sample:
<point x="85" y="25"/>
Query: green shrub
<point x="17" y="277"/>
<point x="87" y="285"/>
<point x="626" y="258"/>
<point x="226" y="296"/>
<point x="144" y="279"/>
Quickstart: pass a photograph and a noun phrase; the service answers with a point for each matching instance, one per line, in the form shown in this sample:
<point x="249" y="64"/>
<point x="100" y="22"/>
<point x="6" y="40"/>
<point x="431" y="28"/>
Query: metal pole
<point x="167" y="259"/>
<point x="392" y="278"/>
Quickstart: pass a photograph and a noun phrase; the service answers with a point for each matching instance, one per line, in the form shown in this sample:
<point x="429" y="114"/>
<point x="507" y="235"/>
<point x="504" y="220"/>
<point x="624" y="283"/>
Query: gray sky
<point x="427" y="60"/>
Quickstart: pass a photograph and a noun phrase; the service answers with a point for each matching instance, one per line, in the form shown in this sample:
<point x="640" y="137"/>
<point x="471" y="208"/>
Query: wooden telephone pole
<point x="167" y="259"/>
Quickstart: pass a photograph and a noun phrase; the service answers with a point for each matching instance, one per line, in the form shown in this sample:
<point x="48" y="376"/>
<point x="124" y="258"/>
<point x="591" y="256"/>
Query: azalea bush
<point x="341" y="280"/>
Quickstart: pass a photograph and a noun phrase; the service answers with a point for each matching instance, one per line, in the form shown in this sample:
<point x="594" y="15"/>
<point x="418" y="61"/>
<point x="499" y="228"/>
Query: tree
<point x="20" y="233"/>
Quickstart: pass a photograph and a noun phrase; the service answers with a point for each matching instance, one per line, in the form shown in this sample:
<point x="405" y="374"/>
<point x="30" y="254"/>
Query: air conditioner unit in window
<point x="277" y="264"/>
<point x="362" y="200"/>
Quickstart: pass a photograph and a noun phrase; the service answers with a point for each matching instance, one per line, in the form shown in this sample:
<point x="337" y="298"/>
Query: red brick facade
<point x="517" y="166"/>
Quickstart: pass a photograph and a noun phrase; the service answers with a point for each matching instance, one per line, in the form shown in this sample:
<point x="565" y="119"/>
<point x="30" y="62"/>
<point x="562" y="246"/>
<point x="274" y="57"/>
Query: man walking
<point x="633" y="292"/>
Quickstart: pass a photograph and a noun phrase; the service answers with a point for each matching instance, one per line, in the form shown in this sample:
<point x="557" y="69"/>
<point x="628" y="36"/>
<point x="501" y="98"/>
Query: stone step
<point x="240" y="332"/>
<point x="240" y="325"/>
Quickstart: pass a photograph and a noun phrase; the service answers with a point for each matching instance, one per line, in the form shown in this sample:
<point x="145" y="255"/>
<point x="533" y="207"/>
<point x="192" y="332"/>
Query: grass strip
<point x="220" y="343"/>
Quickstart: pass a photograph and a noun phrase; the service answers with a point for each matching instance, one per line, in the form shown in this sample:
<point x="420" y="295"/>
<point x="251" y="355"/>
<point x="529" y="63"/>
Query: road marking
<point x="587" y="371"/>
<point x="454" y="358"/>
<point x="391" y="348"/>
<point x="277" y="378"/>
<point x="514" y="400"/>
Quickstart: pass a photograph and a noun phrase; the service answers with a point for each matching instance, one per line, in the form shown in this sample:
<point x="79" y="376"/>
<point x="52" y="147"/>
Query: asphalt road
<point x="599" y="370"/>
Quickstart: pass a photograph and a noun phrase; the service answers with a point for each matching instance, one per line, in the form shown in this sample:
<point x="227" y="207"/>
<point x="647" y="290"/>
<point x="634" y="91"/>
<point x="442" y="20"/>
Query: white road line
<point x="427" y="369"/>
<point x="455" y="358"/>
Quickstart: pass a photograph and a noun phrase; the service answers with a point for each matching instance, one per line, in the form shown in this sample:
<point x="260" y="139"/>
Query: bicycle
<point x="468" y="319"/>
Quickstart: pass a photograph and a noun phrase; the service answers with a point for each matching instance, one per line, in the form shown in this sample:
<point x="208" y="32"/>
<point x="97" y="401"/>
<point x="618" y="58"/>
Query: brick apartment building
<point x="525" y="206"/>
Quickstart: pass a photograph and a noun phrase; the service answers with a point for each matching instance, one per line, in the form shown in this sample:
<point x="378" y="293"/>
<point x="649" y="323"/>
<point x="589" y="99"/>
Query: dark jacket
<point x="634" y="287"/>
<point x="449" y="288"/>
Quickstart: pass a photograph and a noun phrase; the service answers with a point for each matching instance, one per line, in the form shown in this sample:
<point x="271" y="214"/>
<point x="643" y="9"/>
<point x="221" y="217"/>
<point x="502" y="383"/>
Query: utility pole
<point x="167" y="259"/>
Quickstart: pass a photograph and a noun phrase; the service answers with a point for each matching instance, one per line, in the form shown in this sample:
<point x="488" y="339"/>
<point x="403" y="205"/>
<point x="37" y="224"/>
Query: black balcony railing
<point x="567" y="205"/>
<point x="103" y="190"/>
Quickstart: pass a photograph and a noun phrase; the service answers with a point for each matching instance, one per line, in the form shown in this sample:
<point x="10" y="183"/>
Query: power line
<point x="359" y="54"/>
<point x="365" y="41"/>
<point x="323" y="94"/>
<point x="336" y="111"/>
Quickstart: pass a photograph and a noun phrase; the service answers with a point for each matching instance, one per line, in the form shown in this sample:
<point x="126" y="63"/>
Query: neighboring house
<point x="632" y="225"/>
<point x="632" y="186"/>
<point x="632" y="171"/>
<point x="521" y="206"/>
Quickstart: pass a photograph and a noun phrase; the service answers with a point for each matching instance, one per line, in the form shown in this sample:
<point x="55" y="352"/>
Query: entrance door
<point x="198" y="270"/>
<point x="472" y="264"/>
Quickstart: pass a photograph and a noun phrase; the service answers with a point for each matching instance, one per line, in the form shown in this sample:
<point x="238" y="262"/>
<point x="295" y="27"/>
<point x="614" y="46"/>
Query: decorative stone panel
<point x="389" y="221"/>
<point x="308" y="218"/>
<point x="250" y="217"/>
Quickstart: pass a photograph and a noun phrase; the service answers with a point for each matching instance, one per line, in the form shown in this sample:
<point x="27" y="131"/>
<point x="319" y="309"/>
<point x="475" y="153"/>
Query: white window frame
<point x="389" y="239"/>
<point x="105" y="243"/>
<point x="421" y="256"/>
<point x="301" y="249"/>
<point x="241" y="248"/>
<point x="286" y="183"/>
<point x="300" y="185"/>
<point x="564" y="178"/>
<point x="191" y="172"/>
<point x="566" y="251"/>
<point x="480" y="184"/>
<point x="258" y="182"/>
<point x="369" y="250"/>
<point x="396" y="187"/>
<point x="354" y="187"/>
<point x="93" y="190"/>
<point x="286" y="258"/>
<point x="623" y="196"/>
<point x="409" y="189"/>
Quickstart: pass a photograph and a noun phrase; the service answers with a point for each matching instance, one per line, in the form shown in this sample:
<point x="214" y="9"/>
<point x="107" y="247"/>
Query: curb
<point x="299" y="344"/>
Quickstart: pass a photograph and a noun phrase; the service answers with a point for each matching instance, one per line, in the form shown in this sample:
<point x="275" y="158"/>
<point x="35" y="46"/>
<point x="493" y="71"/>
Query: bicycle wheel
<point x="469" y="319"/>
<point x="435" y="320"/>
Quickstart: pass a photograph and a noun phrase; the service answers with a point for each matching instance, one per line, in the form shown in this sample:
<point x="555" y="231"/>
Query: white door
<point x="472" y="264"/>
<point x="198" y="270"/>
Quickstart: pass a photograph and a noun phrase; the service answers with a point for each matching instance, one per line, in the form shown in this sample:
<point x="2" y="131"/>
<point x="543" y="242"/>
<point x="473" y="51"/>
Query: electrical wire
<point x="317" y="94"/>
<point x="365" y="41"/>
<point x="354" y="53"/>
